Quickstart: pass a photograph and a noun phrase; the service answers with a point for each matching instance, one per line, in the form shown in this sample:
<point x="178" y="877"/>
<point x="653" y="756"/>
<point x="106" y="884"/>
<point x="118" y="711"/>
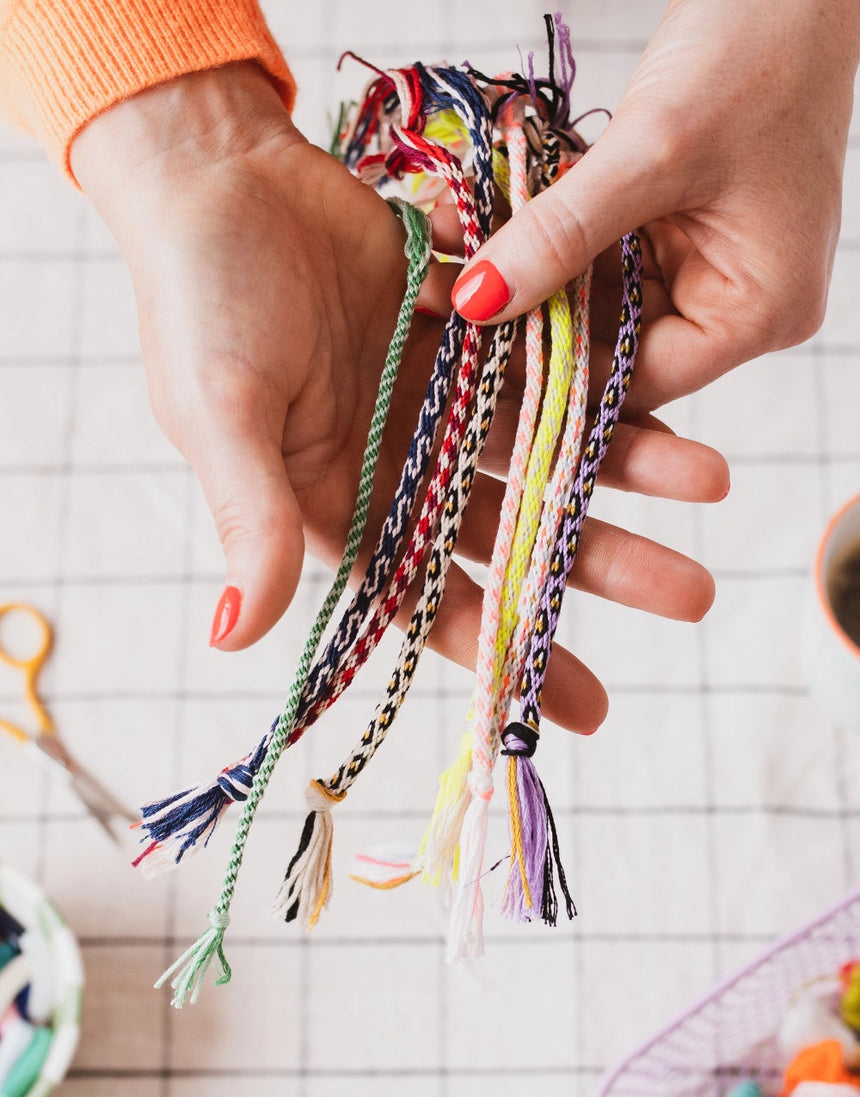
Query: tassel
<point x="437" y="856"/>
<point x="465" y="929"/>
<point x="307" y="885"/>
<point x="530" y="888"/>
<point x="184" y="822"/>
<point x="191" y="967"/>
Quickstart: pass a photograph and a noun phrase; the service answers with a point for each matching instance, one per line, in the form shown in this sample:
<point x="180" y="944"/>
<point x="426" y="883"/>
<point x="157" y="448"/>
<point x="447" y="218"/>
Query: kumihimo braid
<point x="557" y="494"/>
<point x="443" y="88"/>
<point x="191" y="967"/>
<point x="189" y="970"/>
<point x="465" y="930"/>
<point x="530" y="814"/>
<point x="440" y="842"/>
<point x="307" y="885"/>
<point x="542" y="107"/>
<point x="183" y="822"/>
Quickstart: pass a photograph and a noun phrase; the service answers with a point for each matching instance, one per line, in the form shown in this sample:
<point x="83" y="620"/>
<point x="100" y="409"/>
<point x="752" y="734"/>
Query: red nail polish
<point x="429" y="312"/>
<point x="226" y="615"/>
<point x="481" y="293"/>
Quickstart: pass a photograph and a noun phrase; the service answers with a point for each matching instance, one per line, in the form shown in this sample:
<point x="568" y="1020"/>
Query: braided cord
<point x="521" y="507"/>
<point x="418" y="458"/>
<point x="512" y="180"/>
<point x="444" y="88"/>
<point x="418" y="253"/>
<point x="425" y="611"/>
<point x="563" y="558"/>
<point x="560" y="488"/>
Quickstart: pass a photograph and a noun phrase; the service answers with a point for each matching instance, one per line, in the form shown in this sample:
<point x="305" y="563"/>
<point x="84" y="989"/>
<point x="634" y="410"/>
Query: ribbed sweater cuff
<point x="63" y="63"/>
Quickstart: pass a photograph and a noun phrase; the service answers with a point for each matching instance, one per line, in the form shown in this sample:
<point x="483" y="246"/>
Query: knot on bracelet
<point x="519" y="740"/>
<point x="320" y="797"/>
<point x="480" y="784"/>
<point x="219" y="919"/>
<point x="236" y="781"/>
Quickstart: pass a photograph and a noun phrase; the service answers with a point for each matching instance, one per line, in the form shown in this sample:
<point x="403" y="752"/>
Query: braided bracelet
<point x="184" y="822"/>
<point x="534" y="835"/>
<point x="307" y="888"/>
<point x="535" y="547"/>
<point x="189" y="970"/>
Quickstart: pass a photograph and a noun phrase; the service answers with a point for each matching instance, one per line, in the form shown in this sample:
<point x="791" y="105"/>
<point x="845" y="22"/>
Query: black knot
<point x="520" y="740"/>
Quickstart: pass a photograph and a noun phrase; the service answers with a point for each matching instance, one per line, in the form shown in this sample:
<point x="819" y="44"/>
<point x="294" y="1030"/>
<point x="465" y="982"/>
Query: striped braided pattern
<point x="522" y="496"/>
<point x="475" y="215"/>
<point x="163" y="821"/>
<point x="563" y="558"/>
<point x="495" y="684"/>
<point x="394" y="528"/>
<point x="189" y="969"/>
<point x="452" y="88"/>
<point x="459" y="340"/>
<point x="545" y="443"/>
<point x="560" y="489"/>
<point x="419" y="260"/>
<point x="436" y="573"/>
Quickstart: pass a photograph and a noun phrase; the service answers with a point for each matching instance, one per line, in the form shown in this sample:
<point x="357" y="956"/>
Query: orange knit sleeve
<point x="62" y="62"/>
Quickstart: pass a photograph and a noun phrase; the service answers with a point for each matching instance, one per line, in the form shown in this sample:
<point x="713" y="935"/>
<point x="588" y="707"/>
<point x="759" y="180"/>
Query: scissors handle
<point x="30" y="665"/>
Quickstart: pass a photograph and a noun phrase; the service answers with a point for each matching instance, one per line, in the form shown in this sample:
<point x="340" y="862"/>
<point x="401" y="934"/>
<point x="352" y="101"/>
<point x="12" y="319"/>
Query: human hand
<point x="728" y="147"/>
<point x="268" y="281"/>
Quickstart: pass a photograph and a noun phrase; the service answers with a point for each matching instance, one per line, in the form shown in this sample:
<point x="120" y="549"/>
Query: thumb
<point x="615" y="187"/>
<point x="260" y="527"/>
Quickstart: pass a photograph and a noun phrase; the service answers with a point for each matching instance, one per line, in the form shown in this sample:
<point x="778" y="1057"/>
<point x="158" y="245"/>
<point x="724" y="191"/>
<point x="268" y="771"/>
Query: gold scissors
<point x="45" y="744"/>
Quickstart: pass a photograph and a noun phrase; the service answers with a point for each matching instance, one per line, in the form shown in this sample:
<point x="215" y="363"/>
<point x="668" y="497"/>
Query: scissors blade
<point x="98" y="800"/>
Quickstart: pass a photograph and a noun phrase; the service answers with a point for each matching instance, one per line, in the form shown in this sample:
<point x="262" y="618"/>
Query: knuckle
<point x="792" y="318"/>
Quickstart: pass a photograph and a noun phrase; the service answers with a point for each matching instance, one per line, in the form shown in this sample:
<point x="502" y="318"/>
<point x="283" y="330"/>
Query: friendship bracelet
<point x="188" y="971"/>
<point x="184" y="821"/>
<point x="307" y="886"/>
<point x="499" y="620"/>
<point x="595" y="450"/>
<point x="533" y="831"/>
<point x="435" y="125"/>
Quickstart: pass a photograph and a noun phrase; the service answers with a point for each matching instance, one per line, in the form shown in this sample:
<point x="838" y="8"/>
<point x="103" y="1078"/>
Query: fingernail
<point x="481" y="293"/>
<point x="226" y="615"/>
<point x="429" y="312"/>
<point x="728" y="489"/>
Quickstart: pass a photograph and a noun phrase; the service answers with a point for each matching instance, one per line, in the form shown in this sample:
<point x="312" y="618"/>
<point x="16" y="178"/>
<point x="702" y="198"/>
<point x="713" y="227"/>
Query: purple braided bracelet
<point x="534" y="671"/>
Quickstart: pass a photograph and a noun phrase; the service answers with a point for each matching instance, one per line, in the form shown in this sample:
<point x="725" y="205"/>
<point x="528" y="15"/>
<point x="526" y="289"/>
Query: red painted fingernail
<point x="481" y="293"/>
<point x="226" y="615"/>
<point x="429" y="312"/>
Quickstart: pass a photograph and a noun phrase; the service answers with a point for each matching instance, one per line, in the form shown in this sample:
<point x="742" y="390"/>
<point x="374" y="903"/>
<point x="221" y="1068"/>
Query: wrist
<point x="176" y="130"/>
